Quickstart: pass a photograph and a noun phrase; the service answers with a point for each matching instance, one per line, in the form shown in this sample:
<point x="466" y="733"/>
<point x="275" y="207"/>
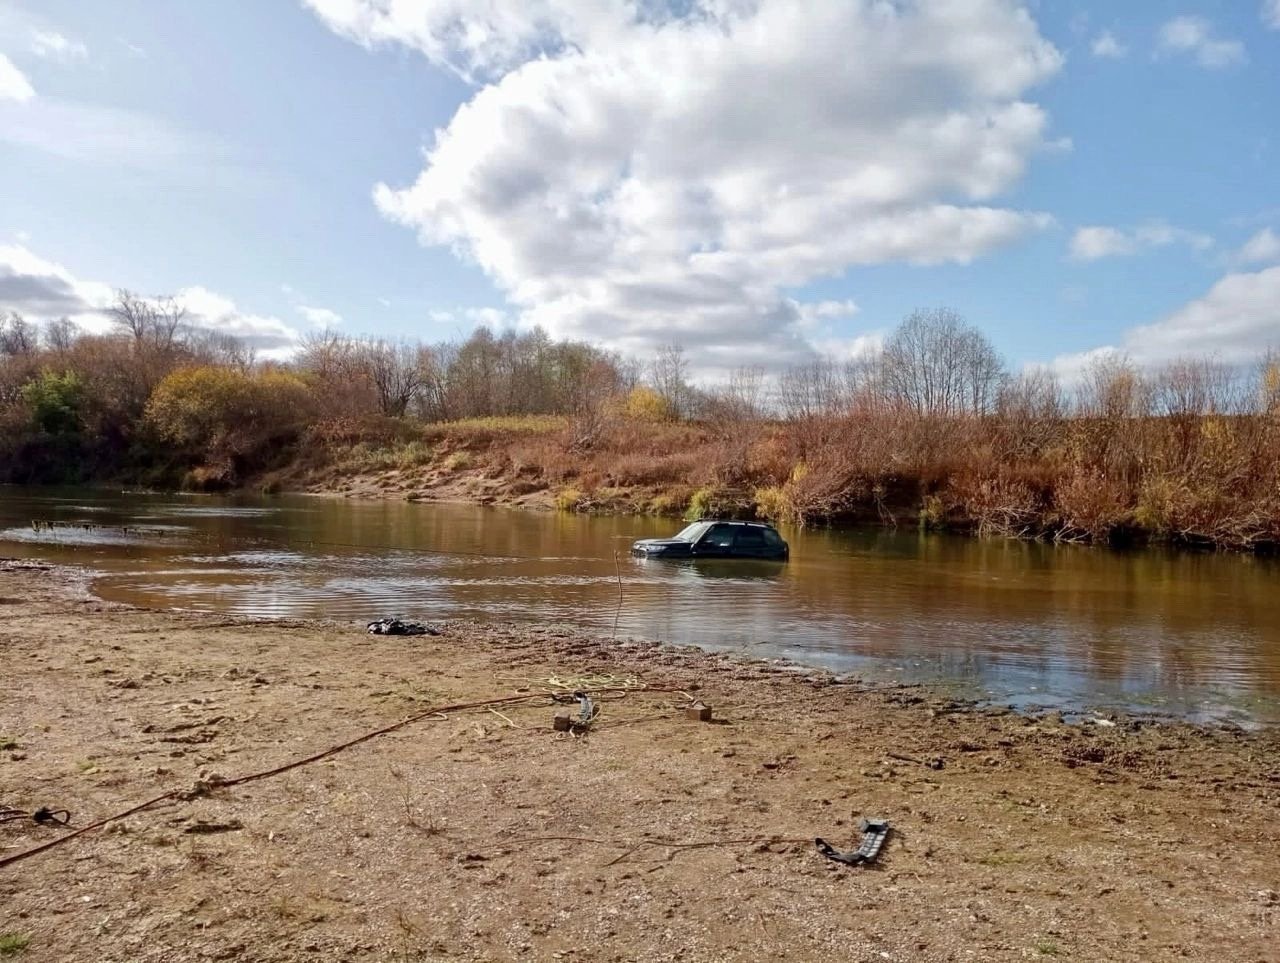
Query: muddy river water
<point x="1196" y="636"/>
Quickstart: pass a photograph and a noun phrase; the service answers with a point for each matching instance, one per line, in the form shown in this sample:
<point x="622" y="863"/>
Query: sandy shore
<point x="486" y="835"/>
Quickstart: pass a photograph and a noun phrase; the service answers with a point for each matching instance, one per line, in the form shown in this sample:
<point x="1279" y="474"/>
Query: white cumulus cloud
<point x="1236" y="322"/>
<point x="490" y="317"/>
<point x="633" y="174"/>
<point x="1107" y="46"/>
<point x="1262" y="248"/>
<point x="13" y="82"/>
<point x="1194" y="36"/>
<point x="54" y="46"/>
<point x="208" y="310"/>
<point x="320" y="317"/>
<point x="1099" y="241"/>
<point x="819" y="312"/>
<point x="43" y="290"/>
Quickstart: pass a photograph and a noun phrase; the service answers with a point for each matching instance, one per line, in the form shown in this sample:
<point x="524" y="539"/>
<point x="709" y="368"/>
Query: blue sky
<point x="756" y="180"/>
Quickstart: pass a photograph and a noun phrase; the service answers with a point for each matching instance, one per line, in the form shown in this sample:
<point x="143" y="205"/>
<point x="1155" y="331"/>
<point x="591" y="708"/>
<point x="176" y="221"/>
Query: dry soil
<point x="486" y="835"/>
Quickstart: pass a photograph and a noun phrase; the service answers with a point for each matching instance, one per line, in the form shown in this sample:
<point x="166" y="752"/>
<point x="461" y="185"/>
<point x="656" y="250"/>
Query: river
<point x="1032" y="625"/>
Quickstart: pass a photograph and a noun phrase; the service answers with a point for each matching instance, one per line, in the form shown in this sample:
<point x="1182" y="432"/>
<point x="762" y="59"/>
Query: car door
<point x="717" y="542"/>
<point x="750" y="543"/>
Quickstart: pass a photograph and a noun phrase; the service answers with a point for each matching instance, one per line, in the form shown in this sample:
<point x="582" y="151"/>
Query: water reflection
<point x="1057" y="625"/>
<point x="740" y="570"/>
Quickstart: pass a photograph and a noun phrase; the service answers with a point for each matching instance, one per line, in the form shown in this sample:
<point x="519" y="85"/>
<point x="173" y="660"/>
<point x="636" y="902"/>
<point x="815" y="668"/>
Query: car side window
<point x="772" y="538"/>
<point x="720" y="536"/>
<point x="749" y="540"/>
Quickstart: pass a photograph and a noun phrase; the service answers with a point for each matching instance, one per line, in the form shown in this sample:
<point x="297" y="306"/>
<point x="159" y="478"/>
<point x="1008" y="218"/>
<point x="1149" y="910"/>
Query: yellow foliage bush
<point x="645" y="404"/>
<point x="707" y="502"/>
<point x="772" y="503"/>
<point x="667" y="503"/>
<point x="227" y="416"/>
<point x="458" y="461"/>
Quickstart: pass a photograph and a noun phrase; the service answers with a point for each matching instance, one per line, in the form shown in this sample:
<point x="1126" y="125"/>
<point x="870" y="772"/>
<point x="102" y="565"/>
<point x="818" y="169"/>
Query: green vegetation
<point x="13" y="943"/>
<point x="709" y="502"/>
<point x="54" y="401"/>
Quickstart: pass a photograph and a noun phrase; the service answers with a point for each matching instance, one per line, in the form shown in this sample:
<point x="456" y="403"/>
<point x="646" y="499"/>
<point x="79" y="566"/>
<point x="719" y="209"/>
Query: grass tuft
<point x="568" y="499"/>
<point x="13" y="943"/>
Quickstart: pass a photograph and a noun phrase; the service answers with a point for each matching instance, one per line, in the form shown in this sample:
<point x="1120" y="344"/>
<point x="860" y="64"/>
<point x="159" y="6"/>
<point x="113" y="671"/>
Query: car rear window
<point x="772" y="538"/>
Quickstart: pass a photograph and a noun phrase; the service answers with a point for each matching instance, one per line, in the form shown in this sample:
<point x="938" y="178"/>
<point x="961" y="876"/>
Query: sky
<point x="760" y="181"/>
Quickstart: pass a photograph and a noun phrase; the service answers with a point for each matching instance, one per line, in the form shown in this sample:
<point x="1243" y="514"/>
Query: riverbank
<point x="840" y="471"/>
<point x="485" y="835"/>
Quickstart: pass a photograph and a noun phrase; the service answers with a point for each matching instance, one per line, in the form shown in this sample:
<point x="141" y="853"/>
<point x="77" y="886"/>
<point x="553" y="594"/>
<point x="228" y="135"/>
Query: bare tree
<point x="17" y="336"/>
<point x="398" y="371"/>
<point x="811" y="390"/>
<point x="738" y="399"/>
<point x="590" y="409"/>
<point x="745" y="391"/>
<point x="1030" y="407"/>
<point x="1190" y="387"/>
<point x="669" y="372"/>
<point x="936" y="363"/>
<point x="432" y="402"/>
<point x="334" y="363"/>
<point x="154" y="323"/>
<point x="1269" y="383"/>
<point x="60" y="335"/>
<point x="1113" y="388"/>
<point x="219" y="347"/>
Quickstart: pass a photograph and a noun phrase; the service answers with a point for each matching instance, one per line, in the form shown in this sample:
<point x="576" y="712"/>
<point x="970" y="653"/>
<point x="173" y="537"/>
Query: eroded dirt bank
<point x="487" y="836"/>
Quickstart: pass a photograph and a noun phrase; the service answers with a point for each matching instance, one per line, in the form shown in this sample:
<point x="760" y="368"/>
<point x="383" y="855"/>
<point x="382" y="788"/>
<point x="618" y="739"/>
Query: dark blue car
<point x="717" y="539"/>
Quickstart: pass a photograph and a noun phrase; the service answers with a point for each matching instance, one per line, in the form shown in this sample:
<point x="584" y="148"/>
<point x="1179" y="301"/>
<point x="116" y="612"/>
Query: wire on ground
<point x="179" y="794"/>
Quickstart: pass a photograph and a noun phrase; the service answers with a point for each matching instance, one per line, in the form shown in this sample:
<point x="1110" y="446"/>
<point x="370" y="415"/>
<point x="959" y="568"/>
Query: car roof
<point x="734" y="521"/>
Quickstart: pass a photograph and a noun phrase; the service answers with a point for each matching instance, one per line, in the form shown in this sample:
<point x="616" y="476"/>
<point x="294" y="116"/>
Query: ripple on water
<point x="67" y="536"/>
<point x="1191" y="635"/>
<point x="216" y="511"/>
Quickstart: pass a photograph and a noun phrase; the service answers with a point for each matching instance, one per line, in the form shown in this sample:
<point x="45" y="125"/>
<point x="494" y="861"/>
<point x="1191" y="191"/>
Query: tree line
<point x="934" y="420"/>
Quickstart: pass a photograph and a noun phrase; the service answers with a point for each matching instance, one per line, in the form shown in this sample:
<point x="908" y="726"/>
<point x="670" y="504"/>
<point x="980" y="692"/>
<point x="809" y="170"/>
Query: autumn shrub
<point x="652" y="469"/>
<point x="672" y="501"/>
<point x="823" y="487"/>
<point x="374" y="430"/>
<point x="703" y="503"/>
<point x="228" y="421"/>
<point x="771" y="502"/>
<point x="1090" y="506"/>
<point x="643" y="404"/>
<point x="458" y="461"/>
<point x="486" y="430"/>
<point x="932" y="515"/>
<point x="769" y="459"/>
<point x="998" y="505"/>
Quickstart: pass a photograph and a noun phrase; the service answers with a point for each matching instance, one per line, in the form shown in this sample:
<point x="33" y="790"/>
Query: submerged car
<point x="717" y="539"/>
